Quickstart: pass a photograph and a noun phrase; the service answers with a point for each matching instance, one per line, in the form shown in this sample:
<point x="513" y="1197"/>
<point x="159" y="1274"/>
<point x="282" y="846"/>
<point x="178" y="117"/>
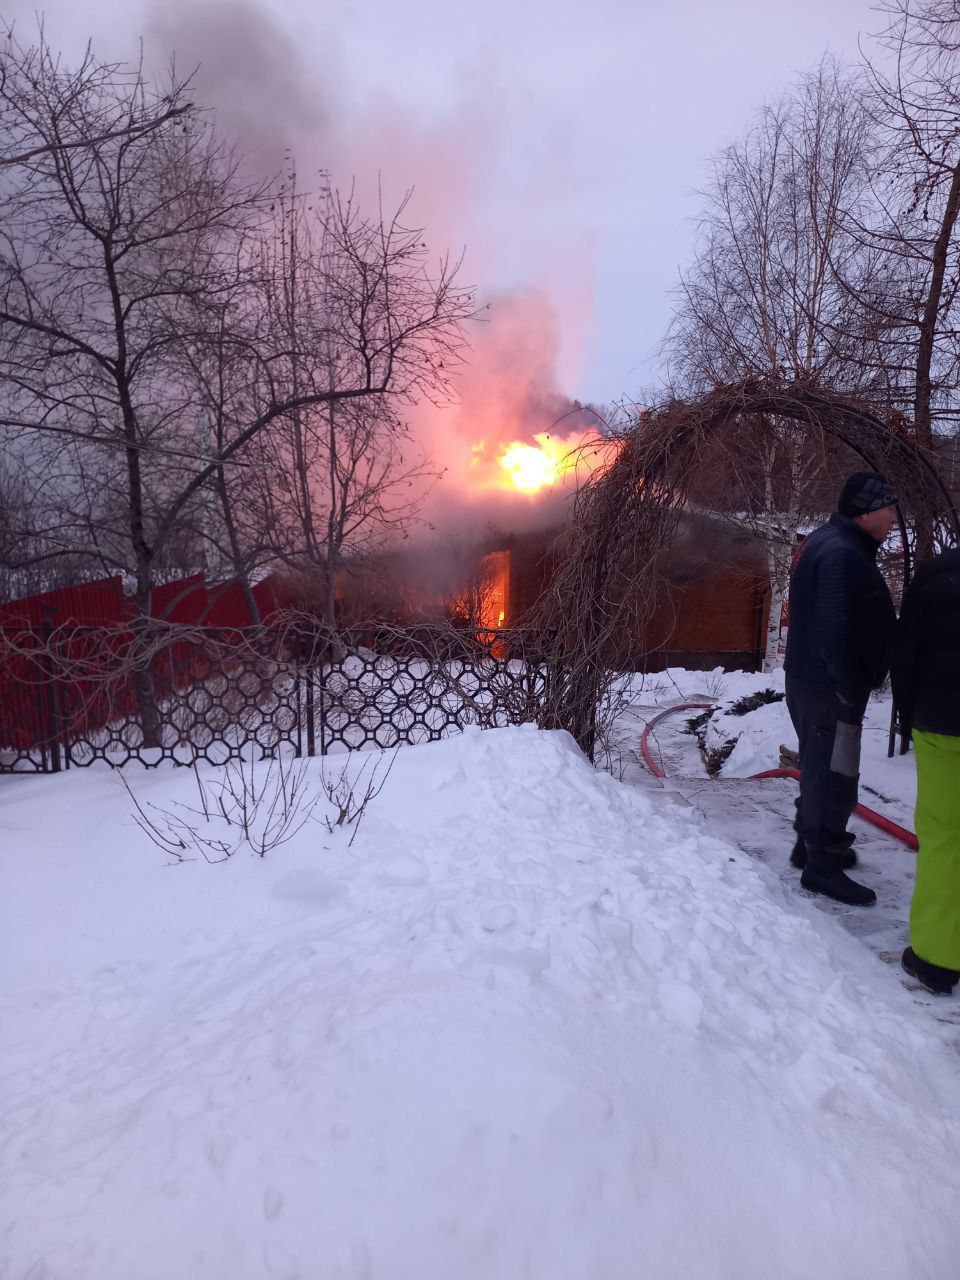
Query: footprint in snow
<point x="496" y="918"/>
<point x="218" y="1150"/>
<point x="272" y="1203"/>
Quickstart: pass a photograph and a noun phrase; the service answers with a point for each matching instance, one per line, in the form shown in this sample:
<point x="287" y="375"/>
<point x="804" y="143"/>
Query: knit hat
<point x="865" y="491"/>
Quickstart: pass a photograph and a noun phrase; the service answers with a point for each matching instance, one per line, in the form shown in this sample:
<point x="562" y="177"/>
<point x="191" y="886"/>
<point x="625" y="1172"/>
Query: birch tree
<point x="767" y="295"/>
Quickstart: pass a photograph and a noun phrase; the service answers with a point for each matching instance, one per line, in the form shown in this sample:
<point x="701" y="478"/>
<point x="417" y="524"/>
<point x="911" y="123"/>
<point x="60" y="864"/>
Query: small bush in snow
<point x="698" y="723"/>
<point x="245" y="803"/>
<point x="762" y="698"/>
<point x="349" y="798"/>
<point x="716" y="738"/>
<point x="715" y="684"/>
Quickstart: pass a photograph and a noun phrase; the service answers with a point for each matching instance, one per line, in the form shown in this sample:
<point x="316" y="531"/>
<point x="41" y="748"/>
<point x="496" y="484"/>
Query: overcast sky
<point x="560" y="142"/>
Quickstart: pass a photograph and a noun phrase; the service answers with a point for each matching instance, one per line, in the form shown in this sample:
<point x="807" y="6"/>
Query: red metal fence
<point x="187" y="601"/>
<point x="32" y="700"/>
<point x="218" y="694"/>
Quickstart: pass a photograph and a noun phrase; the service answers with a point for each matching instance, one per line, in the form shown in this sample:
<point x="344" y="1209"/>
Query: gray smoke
<point x="277" y="98"/>
<point x="251" y="71"/>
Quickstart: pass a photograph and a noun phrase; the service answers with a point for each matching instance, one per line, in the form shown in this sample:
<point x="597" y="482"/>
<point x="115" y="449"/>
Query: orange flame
<point x="530" y="468"/>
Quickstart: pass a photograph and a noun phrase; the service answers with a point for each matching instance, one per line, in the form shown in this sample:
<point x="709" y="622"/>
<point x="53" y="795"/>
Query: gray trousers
<point x="829" y="734"/>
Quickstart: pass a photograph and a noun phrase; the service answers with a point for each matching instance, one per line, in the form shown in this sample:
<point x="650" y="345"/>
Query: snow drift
<point x="533" y="1023"/>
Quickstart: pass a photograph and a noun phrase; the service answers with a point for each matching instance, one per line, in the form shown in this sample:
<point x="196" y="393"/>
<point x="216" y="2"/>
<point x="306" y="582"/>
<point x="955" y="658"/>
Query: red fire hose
<point x="869" y="815"/>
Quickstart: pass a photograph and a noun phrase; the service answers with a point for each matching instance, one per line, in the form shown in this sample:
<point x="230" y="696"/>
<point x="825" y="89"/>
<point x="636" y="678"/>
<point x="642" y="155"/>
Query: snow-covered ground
<point x="888" y="785"/>
<point x="534" y="1022"/>
<point x="758" y="816"/>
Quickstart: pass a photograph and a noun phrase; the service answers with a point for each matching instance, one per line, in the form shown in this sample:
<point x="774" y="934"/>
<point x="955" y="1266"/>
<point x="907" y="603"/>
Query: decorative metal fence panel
<point x="72" y="698"/>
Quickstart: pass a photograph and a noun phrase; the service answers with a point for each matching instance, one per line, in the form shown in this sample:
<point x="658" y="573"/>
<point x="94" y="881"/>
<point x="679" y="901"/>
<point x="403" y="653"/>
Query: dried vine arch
<point x="627" y="514"/>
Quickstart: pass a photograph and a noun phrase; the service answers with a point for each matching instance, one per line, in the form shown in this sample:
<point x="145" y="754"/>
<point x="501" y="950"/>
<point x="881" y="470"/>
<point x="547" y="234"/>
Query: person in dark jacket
<point x="838" y="650"/>
<point x="926" y="689"/>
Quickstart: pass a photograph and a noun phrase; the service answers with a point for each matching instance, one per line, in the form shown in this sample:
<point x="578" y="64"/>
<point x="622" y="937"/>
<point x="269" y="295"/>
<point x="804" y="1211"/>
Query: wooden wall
<point x="712" y="611"/>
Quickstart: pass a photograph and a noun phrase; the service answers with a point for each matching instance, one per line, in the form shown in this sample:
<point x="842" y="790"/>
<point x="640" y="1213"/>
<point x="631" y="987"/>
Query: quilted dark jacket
<point x="926" y="650"/>
<point x="841" y="614"/>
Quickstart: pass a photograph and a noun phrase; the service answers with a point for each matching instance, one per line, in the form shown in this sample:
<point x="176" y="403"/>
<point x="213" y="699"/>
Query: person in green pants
<point x="926" y="688"/>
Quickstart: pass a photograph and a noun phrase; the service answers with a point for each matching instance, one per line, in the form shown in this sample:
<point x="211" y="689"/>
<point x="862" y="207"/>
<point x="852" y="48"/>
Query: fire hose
<point x="869" y="815"/>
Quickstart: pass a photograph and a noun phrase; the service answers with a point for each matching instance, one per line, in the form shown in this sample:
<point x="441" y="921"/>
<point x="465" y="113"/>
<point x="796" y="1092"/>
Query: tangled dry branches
<point x="627" y="517"/>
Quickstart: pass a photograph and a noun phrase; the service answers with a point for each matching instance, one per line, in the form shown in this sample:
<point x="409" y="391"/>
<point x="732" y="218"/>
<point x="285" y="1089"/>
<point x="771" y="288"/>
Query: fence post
<point x="298" y="703"/>
<point x="311" y="733"/>
<point x="62" y="712"/>
<point x="49" y="696"/>
<point x="323" y="709"/>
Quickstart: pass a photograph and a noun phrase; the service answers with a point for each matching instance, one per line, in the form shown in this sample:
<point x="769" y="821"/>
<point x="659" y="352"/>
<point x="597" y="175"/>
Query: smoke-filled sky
<point x="559" y="142"/>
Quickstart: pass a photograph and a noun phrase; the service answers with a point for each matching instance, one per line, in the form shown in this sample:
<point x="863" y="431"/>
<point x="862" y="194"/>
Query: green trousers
<point x="935" y="909"/>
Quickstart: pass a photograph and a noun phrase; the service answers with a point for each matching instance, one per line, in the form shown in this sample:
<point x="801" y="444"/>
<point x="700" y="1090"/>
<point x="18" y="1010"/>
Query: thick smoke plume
<point x="507" y="393"/>
<point x="284" y="96"/>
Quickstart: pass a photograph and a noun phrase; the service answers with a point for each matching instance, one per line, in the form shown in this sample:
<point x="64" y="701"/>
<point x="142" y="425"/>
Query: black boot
<point x="824" y="874"/>
<point x="932" y="976"/>
<point x="798" y="858"/>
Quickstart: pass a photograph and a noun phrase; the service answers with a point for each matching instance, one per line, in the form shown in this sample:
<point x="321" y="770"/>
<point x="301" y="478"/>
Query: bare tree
<point x="912" y="231"/>
<point x="24" y="68"/>
<point x="762" y="297"/>
<point x="232" y="542"/>
<point x="114" y="256"/>
<point x="341" y="478"/>
<point x="768" y="293"/>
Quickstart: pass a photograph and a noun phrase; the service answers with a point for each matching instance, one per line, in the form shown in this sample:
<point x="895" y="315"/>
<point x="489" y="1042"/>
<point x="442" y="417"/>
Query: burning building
<point x="712" y="609"/>
<point x="711" y="612"/>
